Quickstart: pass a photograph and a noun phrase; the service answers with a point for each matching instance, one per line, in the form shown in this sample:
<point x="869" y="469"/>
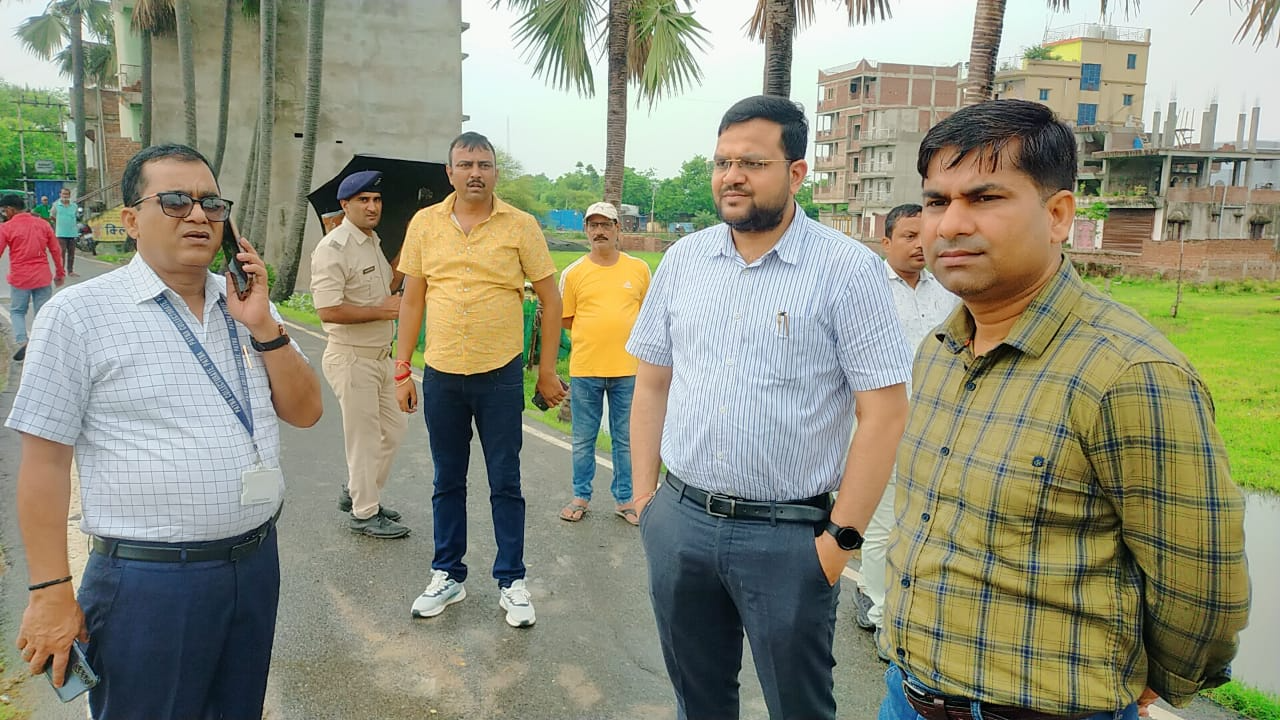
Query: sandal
<point x="574" y="511"/>
<point x="628" y="513"/>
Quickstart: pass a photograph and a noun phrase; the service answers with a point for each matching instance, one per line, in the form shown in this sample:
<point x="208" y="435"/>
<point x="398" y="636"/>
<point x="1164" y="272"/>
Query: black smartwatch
<point x="278" y="342"/>
<point x="847" y="537"/>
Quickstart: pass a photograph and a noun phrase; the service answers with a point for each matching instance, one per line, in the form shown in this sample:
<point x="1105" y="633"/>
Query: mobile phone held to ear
<point x="79" y="678"/>
<point x="230" y="246"/>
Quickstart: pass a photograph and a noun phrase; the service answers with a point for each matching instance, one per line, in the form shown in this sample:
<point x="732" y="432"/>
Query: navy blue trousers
<point x="713" y="579"/>
<point x="495" y="401"/>
<point x="181" y="640"/>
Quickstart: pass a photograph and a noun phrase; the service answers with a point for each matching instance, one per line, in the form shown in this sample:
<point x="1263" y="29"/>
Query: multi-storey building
<point x="1090" y="75"/>
<point x="871" y="119"/>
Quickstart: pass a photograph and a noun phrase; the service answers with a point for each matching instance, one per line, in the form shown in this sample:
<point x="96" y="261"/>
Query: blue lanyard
<point x="244" y="412"/>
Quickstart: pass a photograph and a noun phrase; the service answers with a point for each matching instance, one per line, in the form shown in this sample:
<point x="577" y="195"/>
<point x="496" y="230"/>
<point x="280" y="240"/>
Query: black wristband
<point x="48" y="583"/>
<point x="278" y="342"/>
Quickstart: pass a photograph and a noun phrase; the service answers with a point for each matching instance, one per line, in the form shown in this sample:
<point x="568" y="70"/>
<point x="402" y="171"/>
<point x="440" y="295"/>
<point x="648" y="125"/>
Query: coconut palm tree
<point x="224" y="85"/>
<point x="150" y="18"/>
<point x="266" y="125"/>
<point x="648" y="43"/>
<point x="292" y="251"/>
<point x="62" y="25"/>
<point x="187" y="65"/>
<point x="776" y="22"/>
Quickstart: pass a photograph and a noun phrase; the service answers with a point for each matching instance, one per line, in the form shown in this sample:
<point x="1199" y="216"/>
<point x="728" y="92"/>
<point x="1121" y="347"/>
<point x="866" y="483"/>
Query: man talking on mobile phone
<point x="166" y="389"/>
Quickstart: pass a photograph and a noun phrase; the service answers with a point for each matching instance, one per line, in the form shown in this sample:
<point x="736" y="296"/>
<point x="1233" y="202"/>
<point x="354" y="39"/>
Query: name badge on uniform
<point x="368" y="270"/>
<point x="260" y="485"/>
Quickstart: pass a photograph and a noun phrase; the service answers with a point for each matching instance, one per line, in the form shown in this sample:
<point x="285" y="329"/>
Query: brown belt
<point x="937" y="707"/>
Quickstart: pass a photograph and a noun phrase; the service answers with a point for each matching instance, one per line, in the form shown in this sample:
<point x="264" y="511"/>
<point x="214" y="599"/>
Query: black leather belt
<point x="938" y="707"/>
<point x="231" y="549"/>
<point x="811" y="511"/>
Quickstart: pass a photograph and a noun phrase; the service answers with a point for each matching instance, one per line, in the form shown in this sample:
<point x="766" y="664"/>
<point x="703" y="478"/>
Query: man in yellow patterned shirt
<point x="1069" y="540"/>
<point x="602" y="292"/>
<point x="465" y="262"/>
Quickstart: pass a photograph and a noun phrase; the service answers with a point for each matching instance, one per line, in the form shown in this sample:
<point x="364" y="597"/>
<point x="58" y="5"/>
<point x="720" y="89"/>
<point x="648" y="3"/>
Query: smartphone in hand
<point x="79" y="678"/>
<point x="541" y="402"/>
<point x="230" y="246"/>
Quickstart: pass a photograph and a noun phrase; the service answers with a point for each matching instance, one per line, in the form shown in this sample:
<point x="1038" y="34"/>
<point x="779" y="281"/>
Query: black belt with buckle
<point x="811" y="511"/>
<point x="231" y="549"/>
<point x="939" y="707"/>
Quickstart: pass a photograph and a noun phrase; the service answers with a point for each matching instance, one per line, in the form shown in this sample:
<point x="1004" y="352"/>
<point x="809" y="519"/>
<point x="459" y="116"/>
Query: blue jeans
<point x="181" y="640"/>
<point x="19" y="300"/>
<point x="495" y="401"/>
<point x="895" y="706"/>
<point x="586" y="400"/>
<point x="711" y="580"/>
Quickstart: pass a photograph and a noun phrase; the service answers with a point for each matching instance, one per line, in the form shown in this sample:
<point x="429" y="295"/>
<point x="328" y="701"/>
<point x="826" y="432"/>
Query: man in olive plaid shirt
<point x="1070" y="543"/>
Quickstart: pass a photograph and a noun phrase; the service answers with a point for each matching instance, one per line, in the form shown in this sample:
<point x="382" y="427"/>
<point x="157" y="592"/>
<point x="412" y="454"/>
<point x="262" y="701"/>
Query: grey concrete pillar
<point x="1166" y="170"/>
<point x="1253" y="130"/>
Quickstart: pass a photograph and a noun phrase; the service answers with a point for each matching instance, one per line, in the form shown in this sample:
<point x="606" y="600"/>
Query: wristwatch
<point x="278" y="342"/>
<point x="847" y="537"/>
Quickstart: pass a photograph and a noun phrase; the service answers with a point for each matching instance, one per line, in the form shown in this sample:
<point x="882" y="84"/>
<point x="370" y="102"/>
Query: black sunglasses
<point x="179" y="205"/>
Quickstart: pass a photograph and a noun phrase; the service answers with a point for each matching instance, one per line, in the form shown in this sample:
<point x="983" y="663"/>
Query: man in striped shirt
<point x="755" y="340"/>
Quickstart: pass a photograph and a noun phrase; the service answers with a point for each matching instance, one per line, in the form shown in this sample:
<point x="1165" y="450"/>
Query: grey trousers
<point x="711" y="579"/>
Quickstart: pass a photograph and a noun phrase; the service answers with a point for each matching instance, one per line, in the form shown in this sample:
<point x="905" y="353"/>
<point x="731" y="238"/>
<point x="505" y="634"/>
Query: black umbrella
<point x="407" y="186"/>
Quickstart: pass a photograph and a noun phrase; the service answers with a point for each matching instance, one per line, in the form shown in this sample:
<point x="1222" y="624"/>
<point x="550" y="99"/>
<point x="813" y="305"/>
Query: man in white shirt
<point x="146" y="378"/>
<point x="922" y="304"/>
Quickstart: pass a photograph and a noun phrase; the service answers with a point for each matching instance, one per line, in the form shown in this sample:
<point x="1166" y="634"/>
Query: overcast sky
<point x="1193" y="59"/>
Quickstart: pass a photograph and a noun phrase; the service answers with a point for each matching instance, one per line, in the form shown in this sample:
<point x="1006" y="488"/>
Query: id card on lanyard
<point x="259" y="484"/>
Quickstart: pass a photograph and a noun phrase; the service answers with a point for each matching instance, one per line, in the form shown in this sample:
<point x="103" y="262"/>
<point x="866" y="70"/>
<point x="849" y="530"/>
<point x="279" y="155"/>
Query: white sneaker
<point x="515" y="600"/>
<point x="440" y="594"/>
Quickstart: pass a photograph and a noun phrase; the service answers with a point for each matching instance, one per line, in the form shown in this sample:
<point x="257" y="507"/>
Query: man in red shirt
<point x="28" y="239"/>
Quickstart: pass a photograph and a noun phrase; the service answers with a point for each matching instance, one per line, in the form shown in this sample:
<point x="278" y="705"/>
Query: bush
<point x="300" y="302"/>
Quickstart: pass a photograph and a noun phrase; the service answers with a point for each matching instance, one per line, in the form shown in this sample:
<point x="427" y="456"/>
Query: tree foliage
<point x="48" y="144"/>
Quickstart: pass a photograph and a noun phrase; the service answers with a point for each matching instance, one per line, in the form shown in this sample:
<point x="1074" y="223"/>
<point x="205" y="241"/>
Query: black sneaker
<point x="21" y="354"/>
<point x="378" y="526"/>
<point x="344" y="505"/>
<point x="862" y="605"/>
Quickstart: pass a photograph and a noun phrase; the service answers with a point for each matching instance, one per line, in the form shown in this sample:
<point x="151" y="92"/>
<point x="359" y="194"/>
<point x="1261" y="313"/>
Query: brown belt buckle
<point x="929" y="707"/>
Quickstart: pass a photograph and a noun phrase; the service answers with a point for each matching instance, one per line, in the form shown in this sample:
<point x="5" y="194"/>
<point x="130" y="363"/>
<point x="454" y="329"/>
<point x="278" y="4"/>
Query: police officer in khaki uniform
<point x="351" y="286"/>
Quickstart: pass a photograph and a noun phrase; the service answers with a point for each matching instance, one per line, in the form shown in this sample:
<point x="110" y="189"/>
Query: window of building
<point x="1090" y="76"/>
<point x="853" y="87"/>
<point x="888" y="158"/>
<point x="1087" y="114"/>
<point x="857" y="132"/>
<point x="1128" y="100"/>
<point x="831" y="93"/>
<point x="856" y="162"/>
<point x="1255" y="229"/>
<point x="1132" y="63"/>
<point x="1044" y="94"/>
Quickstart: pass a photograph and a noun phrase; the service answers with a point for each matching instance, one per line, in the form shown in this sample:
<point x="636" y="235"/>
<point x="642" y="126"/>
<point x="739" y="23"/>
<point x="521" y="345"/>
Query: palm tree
<point x="63" y="21"/>
<point x="1260" y="13"/>
<point x="186" y="63"/>
<point x="224" y="86"/>
<point x="776" y="22"/>
<point x="659" y="40"/>
<point x="150" y="18"/>
<point x="288" y="274"/>
<point x="266" y="126"/>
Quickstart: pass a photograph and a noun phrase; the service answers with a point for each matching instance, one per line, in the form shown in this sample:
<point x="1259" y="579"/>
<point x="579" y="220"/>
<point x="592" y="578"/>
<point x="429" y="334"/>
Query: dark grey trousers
<point x="713" y="578"/>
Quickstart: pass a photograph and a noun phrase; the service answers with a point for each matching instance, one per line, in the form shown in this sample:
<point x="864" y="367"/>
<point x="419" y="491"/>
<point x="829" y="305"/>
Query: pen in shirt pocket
<point x="784" y="324"/>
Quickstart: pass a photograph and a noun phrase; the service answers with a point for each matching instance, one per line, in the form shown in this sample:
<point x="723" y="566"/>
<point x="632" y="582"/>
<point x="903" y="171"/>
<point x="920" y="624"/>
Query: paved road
<point x="346" y="646"/>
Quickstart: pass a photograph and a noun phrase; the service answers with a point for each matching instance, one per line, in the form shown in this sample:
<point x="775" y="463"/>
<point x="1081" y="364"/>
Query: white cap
<point x="602" y="208"/>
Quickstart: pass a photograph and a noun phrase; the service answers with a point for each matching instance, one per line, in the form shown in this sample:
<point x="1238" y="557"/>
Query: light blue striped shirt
<point x="766" y="357"/>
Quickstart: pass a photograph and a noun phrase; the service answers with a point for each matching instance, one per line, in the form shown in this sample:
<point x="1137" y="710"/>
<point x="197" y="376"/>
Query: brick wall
<point x="118" y="149"/>
<point x="642" y="243"/>
<point x="1203" y="260"/>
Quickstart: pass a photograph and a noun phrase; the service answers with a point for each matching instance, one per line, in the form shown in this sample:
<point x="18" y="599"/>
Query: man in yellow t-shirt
<point x="602" y="293"/>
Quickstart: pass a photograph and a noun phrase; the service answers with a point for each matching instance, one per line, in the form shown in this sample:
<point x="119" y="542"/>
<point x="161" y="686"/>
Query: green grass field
<point x="1231" y="333"/>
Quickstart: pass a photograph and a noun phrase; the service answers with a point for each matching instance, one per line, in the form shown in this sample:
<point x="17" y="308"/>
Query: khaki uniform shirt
<point x="475" y="283"/>
<point x="348" y="267"/>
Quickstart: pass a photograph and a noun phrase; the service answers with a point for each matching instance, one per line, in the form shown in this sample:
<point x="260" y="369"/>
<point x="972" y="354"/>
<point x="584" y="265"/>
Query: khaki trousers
<point x="372" y="423"/>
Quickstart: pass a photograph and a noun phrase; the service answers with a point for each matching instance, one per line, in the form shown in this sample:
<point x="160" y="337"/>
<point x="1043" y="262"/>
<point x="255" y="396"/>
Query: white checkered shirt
<point x="159" y="451"/>
<point x="922" y="308"/>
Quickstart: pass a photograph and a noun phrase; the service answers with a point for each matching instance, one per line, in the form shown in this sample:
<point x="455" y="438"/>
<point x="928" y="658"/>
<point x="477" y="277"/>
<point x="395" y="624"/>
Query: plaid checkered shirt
<point x="1068" y="532"/>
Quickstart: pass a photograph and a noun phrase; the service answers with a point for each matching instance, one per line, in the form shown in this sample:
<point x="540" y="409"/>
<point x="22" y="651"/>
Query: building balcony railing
<point x="829" y="193"/>
<point x="830" y="162"/>
<point x="835" y="133"/>
<point x="877" y="168"/>
<point x="874" y="197"/>
<point x="878" y="136"/>
<point x="1094" y="31"/>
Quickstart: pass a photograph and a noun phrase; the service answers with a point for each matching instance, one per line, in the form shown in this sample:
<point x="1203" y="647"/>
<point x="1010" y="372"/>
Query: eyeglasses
<point x="724" y="164"/>
<point x="600" y="225"/>
<point x="179" y="205"/>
